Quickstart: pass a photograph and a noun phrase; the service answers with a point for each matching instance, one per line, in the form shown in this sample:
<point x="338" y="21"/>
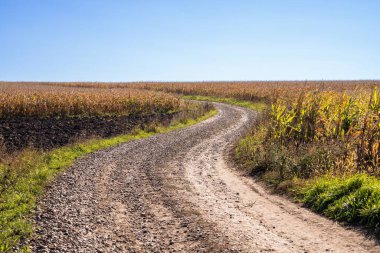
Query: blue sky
<point x="189" y="40"/>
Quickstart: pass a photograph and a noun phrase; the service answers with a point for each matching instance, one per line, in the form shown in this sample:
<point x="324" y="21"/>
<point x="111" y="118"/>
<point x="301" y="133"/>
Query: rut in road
<point x="175" y="192"/>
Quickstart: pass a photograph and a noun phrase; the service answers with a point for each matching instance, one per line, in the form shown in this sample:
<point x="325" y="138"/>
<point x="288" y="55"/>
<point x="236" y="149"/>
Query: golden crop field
<point x="248" y="90"/>
<point x="41" y="100"/>
<point x="257" y="90"/>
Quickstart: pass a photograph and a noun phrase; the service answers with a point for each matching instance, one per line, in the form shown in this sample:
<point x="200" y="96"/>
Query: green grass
<point x="355" y="199"/>
<point x="256" y="106"/>
<point x="25" y="180"/>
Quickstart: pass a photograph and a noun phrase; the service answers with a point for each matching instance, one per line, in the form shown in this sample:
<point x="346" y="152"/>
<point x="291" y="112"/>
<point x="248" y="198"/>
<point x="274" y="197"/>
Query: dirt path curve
<point x="175" y="192"/>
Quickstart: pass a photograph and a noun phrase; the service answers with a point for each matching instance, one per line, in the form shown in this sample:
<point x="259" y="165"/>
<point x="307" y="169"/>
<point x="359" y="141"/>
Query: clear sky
<point x="189" y="40"/>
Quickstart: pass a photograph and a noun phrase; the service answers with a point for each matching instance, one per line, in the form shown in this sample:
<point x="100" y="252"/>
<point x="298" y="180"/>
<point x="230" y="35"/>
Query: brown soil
<point x="175" y="192"/>
<point x="46" y="133"/>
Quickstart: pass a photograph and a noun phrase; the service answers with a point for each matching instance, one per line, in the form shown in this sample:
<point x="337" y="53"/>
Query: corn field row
<point x="244" y="90"/>
<point x="24" y="100"/>
<point x="257" y="90"/>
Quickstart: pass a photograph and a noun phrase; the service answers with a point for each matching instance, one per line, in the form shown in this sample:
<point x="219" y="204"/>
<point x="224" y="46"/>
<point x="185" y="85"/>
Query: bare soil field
<point x="49" y="132"/>
<point x="176" y="192"/>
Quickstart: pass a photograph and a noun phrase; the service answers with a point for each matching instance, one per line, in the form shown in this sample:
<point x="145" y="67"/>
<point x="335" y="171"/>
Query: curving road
<point x="175" y="192"/>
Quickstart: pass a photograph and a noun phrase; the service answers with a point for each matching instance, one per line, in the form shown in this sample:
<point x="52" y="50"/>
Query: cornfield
<point x="259" y="90"/>
<point x="249" y="90"/>
<point x="38" y="100"/>
<point x="326" y="117"/>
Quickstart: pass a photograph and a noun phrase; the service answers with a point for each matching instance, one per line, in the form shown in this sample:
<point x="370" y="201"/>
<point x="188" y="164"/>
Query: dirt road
<point x="175" y="192"/>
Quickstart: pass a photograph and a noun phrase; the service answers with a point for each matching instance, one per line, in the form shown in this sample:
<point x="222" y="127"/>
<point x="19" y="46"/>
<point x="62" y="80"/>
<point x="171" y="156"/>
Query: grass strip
<point x="354" y="199"/>
<point x="256" y="106"/>
<point x="34" y="170"/>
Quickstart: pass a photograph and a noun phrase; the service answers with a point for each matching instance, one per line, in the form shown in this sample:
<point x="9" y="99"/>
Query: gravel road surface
<point x="175" y="192"/>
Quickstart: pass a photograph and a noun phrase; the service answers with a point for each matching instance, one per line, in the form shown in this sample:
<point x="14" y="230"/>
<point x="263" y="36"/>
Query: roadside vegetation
<point x="315" y="141"/>
<point x="25" y="173"/>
